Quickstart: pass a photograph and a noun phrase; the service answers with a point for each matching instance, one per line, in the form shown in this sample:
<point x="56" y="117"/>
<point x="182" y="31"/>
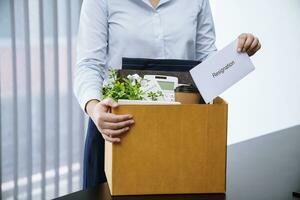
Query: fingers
<point x="109" y="117"/>
<point x="119" y="125"/>
<point x="109" y="102"/>
<point x="257" y="48"/>
<point x="245" y="41"/>
<point x="111" y="126"/>
<point x="112" y="135"/>
<point x="248" y="43"/>
<point x="254" y="48"/>
<point x="115" y="133"/>
<point x="253" y="44"/>
<point x="241" y="41"/>
<point x="110" y="139"/>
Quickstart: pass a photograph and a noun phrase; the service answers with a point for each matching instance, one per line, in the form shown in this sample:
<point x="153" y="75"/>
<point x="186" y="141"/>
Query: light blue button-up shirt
<point x="112" y="29"/>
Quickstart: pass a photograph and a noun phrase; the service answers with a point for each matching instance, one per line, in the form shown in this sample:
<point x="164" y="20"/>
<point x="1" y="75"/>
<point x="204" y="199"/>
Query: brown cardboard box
<point x="171" y="149"/>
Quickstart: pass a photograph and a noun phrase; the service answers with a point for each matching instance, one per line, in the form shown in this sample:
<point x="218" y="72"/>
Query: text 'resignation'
<point x="223" y="69"/>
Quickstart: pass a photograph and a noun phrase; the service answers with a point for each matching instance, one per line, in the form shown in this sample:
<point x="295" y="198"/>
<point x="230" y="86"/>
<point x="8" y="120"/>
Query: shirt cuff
<point x="88" y="96"/>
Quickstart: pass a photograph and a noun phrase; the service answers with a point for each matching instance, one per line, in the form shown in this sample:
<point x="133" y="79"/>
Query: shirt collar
<point x="161" y="2"/>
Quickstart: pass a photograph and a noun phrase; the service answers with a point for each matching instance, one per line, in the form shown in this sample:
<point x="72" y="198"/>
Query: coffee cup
<point x="188" y="94"/>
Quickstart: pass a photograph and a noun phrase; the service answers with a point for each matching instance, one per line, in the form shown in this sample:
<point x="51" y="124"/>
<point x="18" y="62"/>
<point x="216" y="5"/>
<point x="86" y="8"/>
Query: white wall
<point x="269" y="98"/>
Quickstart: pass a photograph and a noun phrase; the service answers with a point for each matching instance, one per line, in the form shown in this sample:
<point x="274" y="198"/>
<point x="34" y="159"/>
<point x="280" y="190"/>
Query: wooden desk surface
<point x="263" y="168"/>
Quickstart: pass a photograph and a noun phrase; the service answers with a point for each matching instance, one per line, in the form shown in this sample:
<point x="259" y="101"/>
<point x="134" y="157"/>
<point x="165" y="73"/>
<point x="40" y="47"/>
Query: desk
<point x="263" y="168"/>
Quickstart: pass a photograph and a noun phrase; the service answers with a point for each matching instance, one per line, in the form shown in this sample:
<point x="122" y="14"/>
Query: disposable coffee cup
<point x="188" y="94"/>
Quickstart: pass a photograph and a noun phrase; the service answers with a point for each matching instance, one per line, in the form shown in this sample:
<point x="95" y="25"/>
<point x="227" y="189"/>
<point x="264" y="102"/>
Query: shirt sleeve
<point x="91" y="51"/>
<point x="205" y="39"/>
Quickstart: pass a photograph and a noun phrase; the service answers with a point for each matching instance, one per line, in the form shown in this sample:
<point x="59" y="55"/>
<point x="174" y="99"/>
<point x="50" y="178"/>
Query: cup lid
<point x="187" y="88"/>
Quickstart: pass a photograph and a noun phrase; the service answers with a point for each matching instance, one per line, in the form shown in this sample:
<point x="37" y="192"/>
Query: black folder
<point x="167" y="67"/>
<point x="158" y="64"/>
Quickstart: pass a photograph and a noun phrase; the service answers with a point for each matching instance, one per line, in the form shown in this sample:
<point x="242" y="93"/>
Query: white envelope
<point x="220" y="71"/>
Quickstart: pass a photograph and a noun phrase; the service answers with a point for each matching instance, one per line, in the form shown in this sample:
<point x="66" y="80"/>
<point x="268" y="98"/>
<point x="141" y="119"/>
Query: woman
<point x="112" y="29"/>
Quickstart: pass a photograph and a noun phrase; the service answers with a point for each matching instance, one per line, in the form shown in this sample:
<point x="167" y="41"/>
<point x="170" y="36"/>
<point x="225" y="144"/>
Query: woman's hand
<point x="111" y="126"/>
<point x="248" y="43"/>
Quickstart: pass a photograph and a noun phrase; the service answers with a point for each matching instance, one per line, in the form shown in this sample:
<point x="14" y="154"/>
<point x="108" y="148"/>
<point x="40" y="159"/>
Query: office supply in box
<point x="163" y="84"/>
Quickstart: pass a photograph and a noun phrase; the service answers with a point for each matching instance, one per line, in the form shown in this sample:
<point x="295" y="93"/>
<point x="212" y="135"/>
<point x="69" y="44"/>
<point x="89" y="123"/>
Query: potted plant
<point x="130" y="88"/>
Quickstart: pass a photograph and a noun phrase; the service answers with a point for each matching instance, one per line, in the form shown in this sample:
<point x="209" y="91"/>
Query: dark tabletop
<point x="263" y="168"/>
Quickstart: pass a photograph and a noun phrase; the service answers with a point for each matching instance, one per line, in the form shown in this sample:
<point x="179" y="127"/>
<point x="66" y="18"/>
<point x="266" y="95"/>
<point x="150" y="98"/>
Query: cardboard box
<point x="171" y="149"/>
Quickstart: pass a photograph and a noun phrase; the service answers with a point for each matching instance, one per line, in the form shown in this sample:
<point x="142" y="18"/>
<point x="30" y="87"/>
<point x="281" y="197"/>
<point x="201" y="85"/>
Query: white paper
<point x="220" y="71"/>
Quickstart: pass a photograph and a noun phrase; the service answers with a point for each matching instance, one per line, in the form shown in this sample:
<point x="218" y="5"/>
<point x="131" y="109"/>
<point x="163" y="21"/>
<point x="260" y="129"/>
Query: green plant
<point x="155" y="95"/>
<point x="126" y="88"/>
